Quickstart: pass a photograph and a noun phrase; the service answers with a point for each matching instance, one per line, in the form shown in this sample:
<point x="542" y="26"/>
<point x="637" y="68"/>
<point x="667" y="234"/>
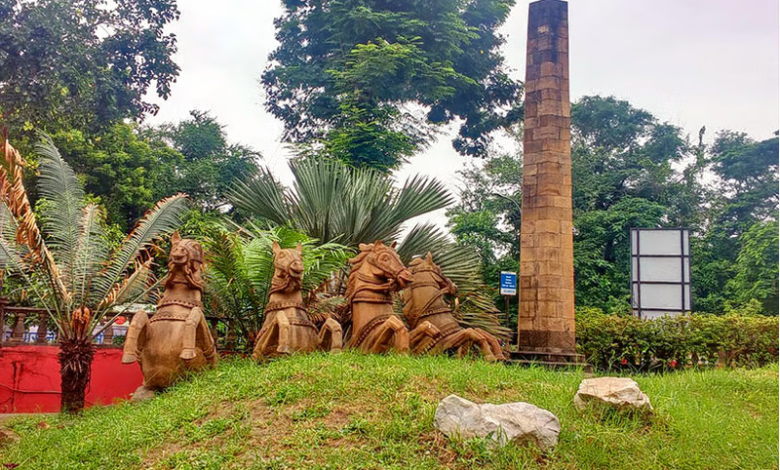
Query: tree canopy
<point x="368" y="81"/>
<point x="83" y="64"/>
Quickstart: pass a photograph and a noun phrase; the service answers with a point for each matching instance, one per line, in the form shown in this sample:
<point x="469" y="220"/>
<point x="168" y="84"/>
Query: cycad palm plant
<point x="332" y="202"/>
<point x="84" y="281"/>
<point x="240" y="269"/>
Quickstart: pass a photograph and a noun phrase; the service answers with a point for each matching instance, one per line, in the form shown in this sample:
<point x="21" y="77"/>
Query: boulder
<point x="619" y="392"/>
<point x="511" y="422"/>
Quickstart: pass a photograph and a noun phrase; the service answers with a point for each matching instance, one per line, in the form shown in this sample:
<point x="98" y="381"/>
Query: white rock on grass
<point x="511" y="422"/>
<point x="618" y="392"/>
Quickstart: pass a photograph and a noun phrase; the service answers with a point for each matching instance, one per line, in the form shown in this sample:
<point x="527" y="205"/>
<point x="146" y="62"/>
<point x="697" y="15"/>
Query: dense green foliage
<point x="630" y="170"/>
<point x="627" y="342"/>
<point x="83" y="64"/>
<point x="355" y="411"/>
<point x="368" y="82"/>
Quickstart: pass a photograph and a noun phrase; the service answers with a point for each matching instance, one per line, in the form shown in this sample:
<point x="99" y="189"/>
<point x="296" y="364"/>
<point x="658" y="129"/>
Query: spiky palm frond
<point x="90" y="253"/>
<point x="261" y="196"/>
<point x="162" y="219"/>
<point x="14" y="196"/>
<point x="335" y="203"/>
<point x="62" y="209"/>
<point x="227" y="280"/>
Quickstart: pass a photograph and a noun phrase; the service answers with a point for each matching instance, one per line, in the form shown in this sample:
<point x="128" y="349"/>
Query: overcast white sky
<point x="689" y="62"/>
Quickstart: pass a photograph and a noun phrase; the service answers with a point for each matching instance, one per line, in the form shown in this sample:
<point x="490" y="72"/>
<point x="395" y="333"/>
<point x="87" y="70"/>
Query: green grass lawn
<point x="374" y="412"/>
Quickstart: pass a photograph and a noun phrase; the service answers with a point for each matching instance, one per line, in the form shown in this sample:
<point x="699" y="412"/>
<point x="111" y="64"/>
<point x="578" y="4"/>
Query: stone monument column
<point x="546" y="313"/>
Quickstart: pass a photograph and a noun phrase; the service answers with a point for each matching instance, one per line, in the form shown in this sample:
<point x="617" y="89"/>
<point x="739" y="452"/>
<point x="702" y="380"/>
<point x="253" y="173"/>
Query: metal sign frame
<point x="636" y="282"/>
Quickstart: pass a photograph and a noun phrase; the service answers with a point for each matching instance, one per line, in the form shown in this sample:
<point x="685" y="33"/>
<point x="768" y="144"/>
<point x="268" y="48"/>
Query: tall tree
<point x="83" y="64"/>
<point x="369" y="81"/>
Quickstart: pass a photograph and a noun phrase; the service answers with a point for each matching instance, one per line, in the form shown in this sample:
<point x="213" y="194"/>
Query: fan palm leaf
<point x="335" y="203"/>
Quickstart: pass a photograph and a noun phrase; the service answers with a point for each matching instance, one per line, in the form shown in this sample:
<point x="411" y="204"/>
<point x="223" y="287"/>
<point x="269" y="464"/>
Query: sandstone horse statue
<point x="424" y="302"/>
<point x="376" y="272"/>
<point x="176" y="339"/>
<point x="287" y="327"/>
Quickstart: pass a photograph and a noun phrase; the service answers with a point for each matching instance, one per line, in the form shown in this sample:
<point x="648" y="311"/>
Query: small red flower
<point x="673" y="363"/>
<point x="624" y="361"/>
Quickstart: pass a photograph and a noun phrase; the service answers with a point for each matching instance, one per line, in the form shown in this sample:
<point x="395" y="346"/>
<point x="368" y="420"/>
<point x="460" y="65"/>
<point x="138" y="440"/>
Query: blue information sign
<point x="508" y="283"/>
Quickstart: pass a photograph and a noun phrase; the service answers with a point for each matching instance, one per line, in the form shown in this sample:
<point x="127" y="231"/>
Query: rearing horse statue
<point x="424" y="303"/>
<point x="287" y="326"/>
<point x="376" y="272"/>
<point x="177" y="338"/>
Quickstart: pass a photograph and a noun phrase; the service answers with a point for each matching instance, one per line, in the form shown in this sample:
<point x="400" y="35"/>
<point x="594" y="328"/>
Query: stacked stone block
<point x="546" y="313"/>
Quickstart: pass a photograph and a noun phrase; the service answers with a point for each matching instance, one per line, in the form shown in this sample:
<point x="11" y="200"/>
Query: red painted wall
<point x="30" y="378"/>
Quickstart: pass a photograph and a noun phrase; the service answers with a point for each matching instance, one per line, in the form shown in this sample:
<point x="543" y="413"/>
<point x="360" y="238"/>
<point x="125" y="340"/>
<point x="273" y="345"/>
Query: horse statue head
<point x="377" y="268"/>
<point x="185" y="262"/>
<point x="425" y="271"/>
<point x="428" y="289"/>
<point x="288" y="269"/>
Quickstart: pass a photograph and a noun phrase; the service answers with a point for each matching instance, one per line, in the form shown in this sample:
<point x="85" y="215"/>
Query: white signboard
<point x="660" y="272"/>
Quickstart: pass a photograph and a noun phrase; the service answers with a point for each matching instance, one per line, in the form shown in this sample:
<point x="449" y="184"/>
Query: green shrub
<point x="611" y="342"/>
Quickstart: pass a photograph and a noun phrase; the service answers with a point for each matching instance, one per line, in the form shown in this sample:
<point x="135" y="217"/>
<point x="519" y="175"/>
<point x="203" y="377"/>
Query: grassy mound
<point x="376" y="412"/>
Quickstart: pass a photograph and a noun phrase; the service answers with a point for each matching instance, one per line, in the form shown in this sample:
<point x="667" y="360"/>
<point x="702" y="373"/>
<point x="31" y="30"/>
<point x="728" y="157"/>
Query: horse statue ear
<point x="392" y="245"/>
<point x="379" y="243"/>
<point x="175" y="238"/>
<point x="276" y="247"/>
<point x="429" y="257"/>
<point x="299" y="247"/>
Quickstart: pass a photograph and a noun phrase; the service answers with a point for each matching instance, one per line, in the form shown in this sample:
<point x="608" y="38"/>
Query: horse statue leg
<point x="330" y="336"/>
<point x="463" y="340"/>
<point x="285" y="332"/>
<point x="131" y="348"/>
<point x="189" y="341"/>
<point x="390" y="334"/>
<point x="423" y="337"/>
<point x="493" y="343"/>
<point x="206" y="342"/>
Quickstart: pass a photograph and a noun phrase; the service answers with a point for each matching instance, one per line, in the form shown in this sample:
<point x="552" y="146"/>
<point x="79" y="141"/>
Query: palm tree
<point x="332" y="202"/>
<point x="240" y="269"/>
<point x="69" y="250"/>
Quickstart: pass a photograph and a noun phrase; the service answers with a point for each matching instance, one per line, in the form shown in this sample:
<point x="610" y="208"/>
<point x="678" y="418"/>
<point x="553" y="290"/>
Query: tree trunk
<point x="75" y="369"/>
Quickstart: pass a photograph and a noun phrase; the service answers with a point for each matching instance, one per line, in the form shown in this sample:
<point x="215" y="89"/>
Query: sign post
<point x="508" y="286"/>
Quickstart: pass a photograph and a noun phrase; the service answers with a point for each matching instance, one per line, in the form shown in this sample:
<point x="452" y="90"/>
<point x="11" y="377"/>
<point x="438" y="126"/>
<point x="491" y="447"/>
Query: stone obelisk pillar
<point x="546" y="313"/>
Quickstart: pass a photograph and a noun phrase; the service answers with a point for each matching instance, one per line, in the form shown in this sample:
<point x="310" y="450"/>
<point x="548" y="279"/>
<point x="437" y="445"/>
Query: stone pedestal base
<point x="551" y="359"/>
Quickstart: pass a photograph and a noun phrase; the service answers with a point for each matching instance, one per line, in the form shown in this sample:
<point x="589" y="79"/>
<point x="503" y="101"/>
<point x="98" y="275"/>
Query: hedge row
<point x="626" y="342"/>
